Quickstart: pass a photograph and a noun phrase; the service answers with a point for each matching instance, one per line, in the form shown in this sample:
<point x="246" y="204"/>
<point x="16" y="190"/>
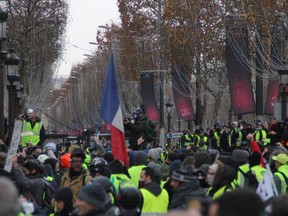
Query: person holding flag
<point x="112" y="114"/>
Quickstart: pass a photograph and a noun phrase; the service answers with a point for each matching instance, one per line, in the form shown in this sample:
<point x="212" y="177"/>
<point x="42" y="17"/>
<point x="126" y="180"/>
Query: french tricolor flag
<point x="111" y="113"/>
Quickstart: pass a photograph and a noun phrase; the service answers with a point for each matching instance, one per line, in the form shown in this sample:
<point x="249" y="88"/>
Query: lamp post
<point x="12" y="61"/>
<point x="283" y="81"/>
<point x="3" y="19"/>
<point x="169" y="106"/>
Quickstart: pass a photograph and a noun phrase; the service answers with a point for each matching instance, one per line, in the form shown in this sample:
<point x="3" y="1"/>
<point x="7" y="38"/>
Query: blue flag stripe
<point x="110" y="98"/>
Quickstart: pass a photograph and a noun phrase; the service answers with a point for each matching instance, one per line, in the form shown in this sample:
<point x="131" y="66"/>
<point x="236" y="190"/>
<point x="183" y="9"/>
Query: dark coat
<point x="185" y="192"/>
<point x="32" y="186"/>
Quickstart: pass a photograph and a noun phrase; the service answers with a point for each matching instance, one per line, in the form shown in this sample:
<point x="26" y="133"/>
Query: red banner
<point x="181" y="93"/>
<point x="148" y="96"/>
<point x="239" y="77"/>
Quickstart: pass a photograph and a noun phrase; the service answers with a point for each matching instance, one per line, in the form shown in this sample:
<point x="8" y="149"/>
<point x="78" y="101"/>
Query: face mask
<point x="203" y="183"/>
<point x="141" y="184"/>
<point x="209" y="180"/>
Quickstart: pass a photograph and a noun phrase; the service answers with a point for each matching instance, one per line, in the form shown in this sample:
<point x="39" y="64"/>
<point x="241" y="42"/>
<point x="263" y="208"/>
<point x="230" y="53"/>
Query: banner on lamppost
<point x="181" y="94"/>
<point x="273" y="83"/>
<point x="239" y="76"/>
<point x="148" y="95"/>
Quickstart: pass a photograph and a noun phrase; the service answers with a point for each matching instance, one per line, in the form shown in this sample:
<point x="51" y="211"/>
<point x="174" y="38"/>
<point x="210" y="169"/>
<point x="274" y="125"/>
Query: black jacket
<point x="185" y="192"/>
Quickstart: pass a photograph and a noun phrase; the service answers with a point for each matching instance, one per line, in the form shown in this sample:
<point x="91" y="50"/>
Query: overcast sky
<point x="84" y="18"/>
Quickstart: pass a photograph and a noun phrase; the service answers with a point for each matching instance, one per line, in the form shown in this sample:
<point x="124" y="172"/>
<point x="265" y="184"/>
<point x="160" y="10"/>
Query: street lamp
<point x="169" y="106"/>
<point x="283" y="81"/>
<point x="12" y="61"/>
<point x="103" y="27"/>
<point x="93" y="43"/>
<point x="3" y="19"/>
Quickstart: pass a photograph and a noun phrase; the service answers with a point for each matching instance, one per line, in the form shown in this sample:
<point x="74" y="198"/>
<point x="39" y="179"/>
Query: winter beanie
<point x="140" y="158"/>
<point x="64" y="194"/>
<point x="93" y="195"/>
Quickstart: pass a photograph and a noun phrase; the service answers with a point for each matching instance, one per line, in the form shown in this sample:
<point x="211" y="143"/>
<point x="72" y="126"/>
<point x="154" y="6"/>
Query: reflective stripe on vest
<point x="35" y="138"/>
<point x="240" y="177"/>
<point x="259" y="172"/>
<point x="188" y="140"/>
<point x="220" y="192"/>
<point x="154" y="204"/>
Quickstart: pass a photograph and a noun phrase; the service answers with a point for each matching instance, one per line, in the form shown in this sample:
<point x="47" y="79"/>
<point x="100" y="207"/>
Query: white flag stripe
<point x="118" y="120"/>
<point x="266" y="188"/>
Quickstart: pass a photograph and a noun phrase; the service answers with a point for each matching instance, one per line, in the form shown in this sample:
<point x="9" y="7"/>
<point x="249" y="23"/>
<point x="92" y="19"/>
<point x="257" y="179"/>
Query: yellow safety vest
<point x="221" y="191"/>
<point x="35" y="138"/>
<point x="117" y="179"/>
<point x="240" y="177"/>
<point x="284" y="170"/>
<point x="217" y="137"/>
<point x="188" y="140"/>
<point x="259" y="172"/>
<point x="257" y="136"/>
<point x="135" y="172"/>
<point x="154" y="204"/>
<point x="239" y="139"/>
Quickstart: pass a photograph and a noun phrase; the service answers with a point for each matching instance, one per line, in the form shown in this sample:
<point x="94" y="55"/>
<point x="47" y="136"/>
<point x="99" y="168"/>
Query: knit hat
<point x="65" y="160"/>
<point x="229" y="162"/>
<point x="64" y="194"/>
<point x="235" y="123"/>
<point x="50" y="146"/>
<point x="154" y="154"/>
<point x="52" y="162"/>
<point x="202" y="158"/>
<point x="164" y="171"/>
<point x="78" y="153"/>
<point x="204" y="168"/>
<point x="93" y="195"/>
<point x="42" y="158"/>
<point x="281" y="158"/>
<point x="184" y="175"/>
<point x="140" y="158"/>
<point x="30" y="110"/>
<point x="240" y="156"/>
<point x="116" y="167"/>
<point x="174" y="166"/>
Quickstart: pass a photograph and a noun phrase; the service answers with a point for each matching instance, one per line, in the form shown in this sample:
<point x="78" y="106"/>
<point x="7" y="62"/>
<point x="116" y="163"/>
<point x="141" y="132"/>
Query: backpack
<point x="250" y="179"/>
<point x="49" y="191"/>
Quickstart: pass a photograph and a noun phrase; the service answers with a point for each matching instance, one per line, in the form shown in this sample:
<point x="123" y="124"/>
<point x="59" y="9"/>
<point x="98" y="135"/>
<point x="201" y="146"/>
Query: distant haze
<point x="84" y="18"/>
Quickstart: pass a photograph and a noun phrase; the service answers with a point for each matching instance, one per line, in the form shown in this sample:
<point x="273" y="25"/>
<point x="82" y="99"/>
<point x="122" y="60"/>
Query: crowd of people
<point x="213" y="172"/>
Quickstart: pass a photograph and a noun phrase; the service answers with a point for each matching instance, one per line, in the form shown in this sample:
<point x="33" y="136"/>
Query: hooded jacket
<point x="185" y="192"/>
<point x="224" y="178"/>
